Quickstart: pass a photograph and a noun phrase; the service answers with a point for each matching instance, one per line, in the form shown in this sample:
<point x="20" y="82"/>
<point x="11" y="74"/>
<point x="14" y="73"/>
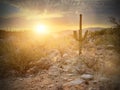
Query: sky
<point x="57" y="14"/>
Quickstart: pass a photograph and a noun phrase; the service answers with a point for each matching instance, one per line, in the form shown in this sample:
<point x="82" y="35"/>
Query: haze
<point x="56" y="14"/>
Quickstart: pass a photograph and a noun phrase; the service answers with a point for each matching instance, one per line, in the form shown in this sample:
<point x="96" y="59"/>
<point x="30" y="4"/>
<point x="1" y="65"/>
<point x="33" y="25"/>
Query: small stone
<point x="42" y="86"/>
<point x="54" y="55"/>
<point x="95" y="82"/>
<point x="64" y="78"/>
<point x="99" y="47"/>
<point x="69" y="79"/>
<point x="51" y="85"/>
<point x="20" y="79"/>
<point x="103" y="79"/>
<point x="87" y="77"/>
<point x="54" y="70"/>
<point x="70" y="74"/>
<point x="74" y="82"/>
<point x="65" y="55"/>
<point x="110" y="47"/>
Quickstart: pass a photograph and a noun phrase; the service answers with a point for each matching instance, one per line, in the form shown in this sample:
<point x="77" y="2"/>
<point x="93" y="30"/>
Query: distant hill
<point x="89" y="29"/>
<point x="93" y="28"/>
<point x="6" y="34"/>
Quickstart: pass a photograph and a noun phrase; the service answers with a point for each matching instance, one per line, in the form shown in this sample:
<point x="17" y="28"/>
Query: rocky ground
<point x="95" y="69"/>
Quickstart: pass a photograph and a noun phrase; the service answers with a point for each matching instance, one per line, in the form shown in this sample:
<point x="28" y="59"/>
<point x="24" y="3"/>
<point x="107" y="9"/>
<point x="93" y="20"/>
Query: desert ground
<point x="52" y="62"/>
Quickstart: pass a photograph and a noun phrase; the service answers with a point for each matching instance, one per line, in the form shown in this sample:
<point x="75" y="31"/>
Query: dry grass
<point x="21" y="53"/>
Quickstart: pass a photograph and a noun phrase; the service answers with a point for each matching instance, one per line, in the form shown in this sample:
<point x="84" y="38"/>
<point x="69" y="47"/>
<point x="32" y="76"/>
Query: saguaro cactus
<point x="79" y="37"/>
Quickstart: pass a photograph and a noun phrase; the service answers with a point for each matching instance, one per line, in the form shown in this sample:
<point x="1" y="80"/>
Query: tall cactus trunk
<point x="80" y="35"/>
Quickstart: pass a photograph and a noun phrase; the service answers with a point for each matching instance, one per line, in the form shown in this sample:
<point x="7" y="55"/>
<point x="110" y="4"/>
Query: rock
<point x="70" y="74"/>
<point x="100" y="47"/>
<point x="69" y="69"/>
<point x="46" y="81"/>
<point x="64" y="78"/>
<point x="52" y="85"/>
<point x="31" y="70"/>
<point x="43" y="63"/>
<point x="80" y="69"/>
<point x="74" y="82"/>
<point x="110" y="47"/>
<point x="65" y="55"/>
<point x="99" y="53"/>
<point x="72" y="66"/>
<point x="54" y="55"/>
<point x="95" y="81"/>
<point x="103" y="79"/>
<point x="87" y="77"/>
<point x="54" y="70"/>
<point x="68" y="62"/>
<point x="21" y="79"/>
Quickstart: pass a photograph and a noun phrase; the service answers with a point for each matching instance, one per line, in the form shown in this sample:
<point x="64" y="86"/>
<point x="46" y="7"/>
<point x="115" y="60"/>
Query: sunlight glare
<point x="41" y="29"/>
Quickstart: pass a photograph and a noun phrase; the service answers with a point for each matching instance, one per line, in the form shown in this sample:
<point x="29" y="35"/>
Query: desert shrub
<point x="116" y="30"/>
<point x="43" y="63"/>
<point x="98" y="33"/>
<point x="116" y="39"/>
<point x="18" y="54"/>
<point x="3" y="68"/>
<point x="61" y="43"/>
<point x="98" y="41"/>
<point x="107" y="36"/>
<point x="90" y="62"/>
<point x="39" y="65"/>
<point x="25" y="53"/>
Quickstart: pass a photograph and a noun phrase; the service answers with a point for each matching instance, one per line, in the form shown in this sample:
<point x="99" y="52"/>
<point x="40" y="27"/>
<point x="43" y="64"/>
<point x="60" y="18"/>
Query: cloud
<point x="7" y="9"/>
<point x="51" y="5"/>
<point x="94" y="11"/>
<point x="67" y="6"/>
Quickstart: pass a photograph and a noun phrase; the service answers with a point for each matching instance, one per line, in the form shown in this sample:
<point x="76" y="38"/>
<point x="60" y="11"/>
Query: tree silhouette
<point x="114" y="21"/>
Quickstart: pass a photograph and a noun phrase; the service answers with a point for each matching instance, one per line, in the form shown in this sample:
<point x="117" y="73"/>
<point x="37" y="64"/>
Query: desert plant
<point x="18" y="54"/>
<point x="116" y="31"/>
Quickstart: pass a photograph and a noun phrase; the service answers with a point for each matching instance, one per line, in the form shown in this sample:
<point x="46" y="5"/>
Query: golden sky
<point x="57" y="14"/>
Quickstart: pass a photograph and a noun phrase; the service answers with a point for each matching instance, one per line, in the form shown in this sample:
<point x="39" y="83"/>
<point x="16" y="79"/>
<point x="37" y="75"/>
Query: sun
<point x="41" y="29"/>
